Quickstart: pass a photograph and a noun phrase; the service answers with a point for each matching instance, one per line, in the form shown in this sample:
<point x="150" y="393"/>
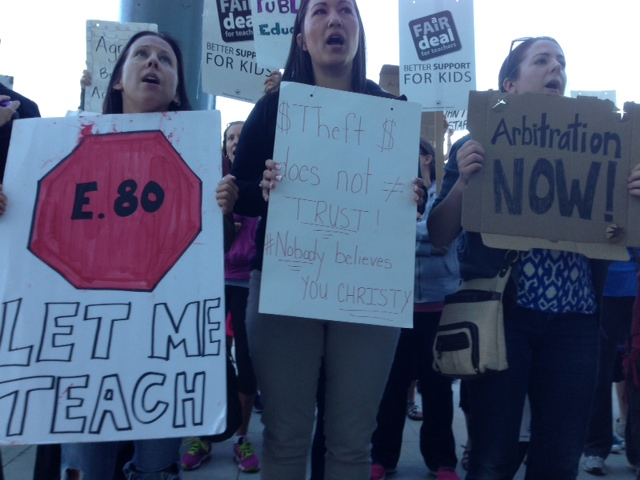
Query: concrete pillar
<point x="182" y="19"/>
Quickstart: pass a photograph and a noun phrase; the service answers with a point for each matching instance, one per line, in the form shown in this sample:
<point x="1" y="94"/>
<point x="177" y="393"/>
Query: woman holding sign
<point x="148" y="77"/>
<point x="551" y="333"/>
<point x="327" y="50"/>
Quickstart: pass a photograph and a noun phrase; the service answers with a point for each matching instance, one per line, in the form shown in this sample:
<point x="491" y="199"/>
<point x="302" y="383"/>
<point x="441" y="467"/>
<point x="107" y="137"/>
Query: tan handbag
<point x="469" y="341"/>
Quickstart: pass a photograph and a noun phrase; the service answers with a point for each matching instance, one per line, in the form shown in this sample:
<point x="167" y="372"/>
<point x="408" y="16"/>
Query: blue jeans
<point x="552" y="358"/>
<point x="615" y="321"/>
<point x="153" y="460"/>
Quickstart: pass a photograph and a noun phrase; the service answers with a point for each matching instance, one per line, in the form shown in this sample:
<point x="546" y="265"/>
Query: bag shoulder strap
<point x="497" y="283"/>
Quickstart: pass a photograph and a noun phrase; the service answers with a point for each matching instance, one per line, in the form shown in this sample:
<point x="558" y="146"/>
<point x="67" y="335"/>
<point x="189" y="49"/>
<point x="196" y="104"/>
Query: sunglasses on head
<point x="516" y="43"/>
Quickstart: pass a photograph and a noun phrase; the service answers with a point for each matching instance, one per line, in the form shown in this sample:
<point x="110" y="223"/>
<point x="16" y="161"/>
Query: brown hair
<point x="511" y="66"/>
<point x="299" y="68"/>
<point x="113" y="99"/>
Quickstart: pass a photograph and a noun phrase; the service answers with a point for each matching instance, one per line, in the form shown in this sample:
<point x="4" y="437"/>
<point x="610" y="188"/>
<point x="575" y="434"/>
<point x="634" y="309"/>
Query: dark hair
<point x="113" y="99"/>
<point x="427" y="149"/>
<point x="511" y="66"/>
<point x="224" y="135"/>
<point x="299" y="68"/>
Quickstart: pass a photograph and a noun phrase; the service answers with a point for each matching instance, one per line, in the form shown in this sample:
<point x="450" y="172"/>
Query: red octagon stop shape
<point x="117" y="213"/>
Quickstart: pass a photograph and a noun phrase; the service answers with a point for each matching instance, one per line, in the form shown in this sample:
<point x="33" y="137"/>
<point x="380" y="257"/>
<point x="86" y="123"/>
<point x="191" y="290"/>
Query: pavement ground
<point x="18" y="460"/>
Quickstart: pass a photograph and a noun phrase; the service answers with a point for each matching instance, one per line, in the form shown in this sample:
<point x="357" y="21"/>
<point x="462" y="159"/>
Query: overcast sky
<point x="43" y="44"/>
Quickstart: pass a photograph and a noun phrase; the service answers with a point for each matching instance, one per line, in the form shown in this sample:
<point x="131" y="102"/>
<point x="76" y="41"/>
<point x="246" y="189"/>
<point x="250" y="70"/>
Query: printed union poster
<point x="437" y="53"/>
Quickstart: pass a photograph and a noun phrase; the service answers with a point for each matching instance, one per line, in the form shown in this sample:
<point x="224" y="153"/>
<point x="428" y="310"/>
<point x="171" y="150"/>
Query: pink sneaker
<point x="245" y="456"/>
<point x="198" y="451"/>
<point x="447" y="473"/>
<point x="378" y="472"/>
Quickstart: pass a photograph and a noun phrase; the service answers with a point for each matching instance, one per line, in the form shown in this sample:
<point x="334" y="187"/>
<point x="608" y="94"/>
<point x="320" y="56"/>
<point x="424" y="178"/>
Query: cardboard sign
<point x="229" y="66"/>
<point x="555" y="173"/>
<point x="340" y="237"/>
<point x="112" y="320"/>
<point x="437" y="52"/>
<point x="273" y="22"/>
<point x="105" y="41"/>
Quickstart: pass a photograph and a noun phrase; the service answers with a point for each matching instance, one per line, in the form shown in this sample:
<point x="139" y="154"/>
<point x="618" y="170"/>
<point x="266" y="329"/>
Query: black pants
<point x="413" y="360"/>
<point x="236" y="302"/>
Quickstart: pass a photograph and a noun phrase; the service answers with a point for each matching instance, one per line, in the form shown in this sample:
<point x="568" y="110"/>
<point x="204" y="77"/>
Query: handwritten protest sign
<point x="340" y="237"/>
<point x="555" y="173"/>
<point x="457" y="119"/>
<point x="437" y="52"/>
<point x="105" y="41"/>
<point x="229" y="66"/>
<point x="111" y="280"/>
<point x="272" y="30"/>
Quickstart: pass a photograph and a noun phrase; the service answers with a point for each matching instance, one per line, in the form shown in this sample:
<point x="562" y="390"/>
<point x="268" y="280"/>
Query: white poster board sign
<point x="273" y="22"/>
<point x="437" y="53"/>
<point x="340" y="238"/>
<point x="229" y="66"/>
<point x="105" y="41"/>
<point x="111" y="280"/>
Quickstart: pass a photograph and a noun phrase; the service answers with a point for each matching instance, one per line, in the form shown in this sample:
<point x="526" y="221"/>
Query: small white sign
<point x="273" y="22"/>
